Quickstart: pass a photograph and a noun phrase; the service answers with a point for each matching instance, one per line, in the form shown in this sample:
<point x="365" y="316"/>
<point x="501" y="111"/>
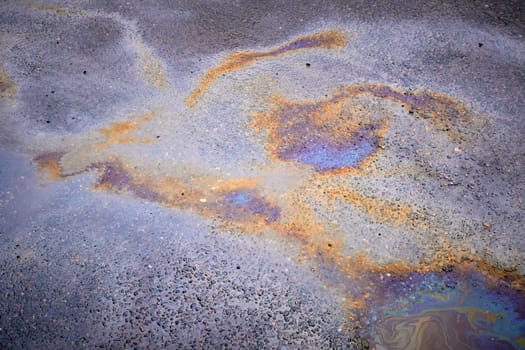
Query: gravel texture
<point x="131" y="217"/>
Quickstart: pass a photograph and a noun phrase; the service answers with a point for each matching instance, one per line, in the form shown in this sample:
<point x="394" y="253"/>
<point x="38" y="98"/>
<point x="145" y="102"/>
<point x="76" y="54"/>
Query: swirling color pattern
<point x="449" y="300"/>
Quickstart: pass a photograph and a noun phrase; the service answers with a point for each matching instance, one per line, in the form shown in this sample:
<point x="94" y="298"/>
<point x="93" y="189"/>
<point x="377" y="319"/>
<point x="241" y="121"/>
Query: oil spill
<point x="454" y="310"/>
<point x="463" y="305"/>
<point x="453" y="284"/>
<point x="331" y="39"/>
<point x="452" y="299"/>
<point x="236" y="203"/>
<point x="324" y="135"/>
<point x="332" y="135"/>
<point x="398" y="305"/>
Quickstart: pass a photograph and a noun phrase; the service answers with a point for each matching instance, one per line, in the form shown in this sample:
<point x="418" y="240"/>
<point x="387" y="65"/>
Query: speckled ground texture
<point x="262" y="174"/>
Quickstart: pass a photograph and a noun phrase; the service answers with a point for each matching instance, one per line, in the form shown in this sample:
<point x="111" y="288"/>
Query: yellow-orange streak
<point x="119" y="132"/>
<point x="331" y="39"/>
<point x="152" y="68"/>
<point x="380" y="209"/>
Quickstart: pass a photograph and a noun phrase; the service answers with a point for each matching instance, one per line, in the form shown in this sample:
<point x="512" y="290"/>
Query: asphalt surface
<point x="236" y="174"/>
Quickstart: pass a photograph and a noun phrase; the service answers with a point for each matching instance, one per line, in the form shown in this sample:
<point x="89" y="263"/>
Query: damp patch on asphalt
<point x="376" y="185"/>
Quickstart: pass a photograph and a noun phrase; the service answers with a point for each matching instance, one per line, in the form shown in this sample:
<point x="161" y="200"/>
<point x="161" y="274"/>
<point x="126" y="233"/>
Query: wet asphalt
<point x="88" y="260"/>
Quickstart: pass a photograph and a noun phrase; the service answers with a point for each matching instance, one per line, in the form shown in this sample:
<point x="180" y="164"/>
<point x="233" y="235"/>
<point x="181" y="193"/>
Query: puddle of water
<point x="447" y="311"/>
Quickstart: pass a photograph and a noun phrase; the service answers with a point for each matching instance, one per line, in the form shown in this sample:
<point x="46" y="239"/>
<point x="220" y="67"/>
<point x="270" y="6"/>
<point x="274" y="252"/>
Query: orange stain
<point x="331" y="39"/>
<point x="382" y="210"/>
<point x="59" y="10"/>
<point x="49" y="163"/>
<point x="118" y="133"/>
<point x="335" y="122"/>
<point x="359" y="265"/>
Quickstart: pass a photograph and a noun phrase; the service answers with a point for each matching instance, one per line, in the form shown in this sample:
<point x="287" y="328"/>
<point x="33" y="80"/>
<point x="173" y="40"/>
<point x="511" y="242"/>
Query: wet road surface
<point x="228" y="174"/>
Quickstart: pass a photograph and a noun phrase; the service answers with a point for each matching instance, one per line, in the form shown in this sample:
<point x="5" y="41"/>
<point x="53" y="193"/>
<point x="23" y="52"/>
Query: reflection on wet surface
<point x="450" y="311"/>
<point x="450" y="300"/>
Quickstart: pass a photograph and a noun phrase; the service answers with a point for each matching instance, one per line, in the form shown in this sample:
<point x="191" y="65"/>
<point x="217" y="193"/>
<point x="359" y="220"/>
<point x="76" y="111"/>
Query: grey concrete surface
<point x="133" y="218"/>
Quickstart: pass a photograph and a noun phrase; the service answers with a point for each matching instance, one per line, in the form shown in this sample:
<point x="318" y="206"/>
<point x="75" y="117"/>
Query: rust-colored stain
<point x="332" y="39"/>
<point x="297" y="132"/>
<point x="329" y="135"/>
<point x="239" y="204"/>
<point x="119" y="133"/>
